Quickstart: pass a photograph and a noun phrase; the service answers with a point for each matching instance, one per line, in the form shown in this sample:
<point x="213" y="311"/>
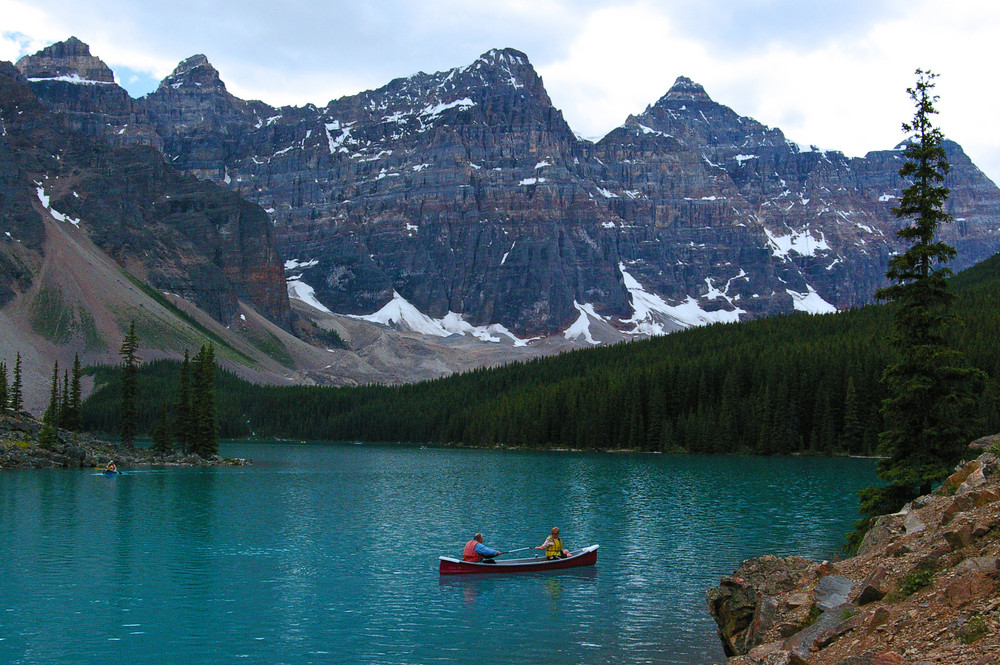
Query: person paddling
<point x="111" y="467"/>
<point x="476" y="552"/>
<point x="553" y="546"/>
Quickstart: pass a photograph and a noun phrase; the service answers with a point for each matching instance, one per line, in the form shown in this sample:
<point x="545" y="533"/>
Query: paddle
<point x="517" y="550"/>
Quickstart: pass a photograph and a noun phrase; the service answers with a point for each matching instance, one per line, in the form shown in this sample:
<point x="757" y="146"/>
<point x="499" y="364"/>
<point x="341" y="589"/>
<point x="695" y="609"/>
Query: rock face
<point x="465" y="194"/>
<point x="79" y="85"/>
<point x="923" y="590"/>
<point x="198" y="120"/>
<point x="181" y="235"/>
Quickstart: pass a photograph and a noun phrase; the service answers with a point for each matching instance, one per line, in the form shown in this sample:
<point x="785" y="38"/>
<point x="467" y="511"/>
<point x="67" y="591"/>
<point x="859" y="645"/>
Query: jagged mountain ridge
<point x="466" y="192"/>
<point x="182" y="235"/>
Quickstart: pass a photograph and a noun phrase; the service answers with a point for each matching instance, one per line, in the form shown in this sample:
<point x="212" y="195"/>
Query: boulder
<point x="829" y="627"/>
<point x="884" y="530"/>
<point x="832" y="591"/>
<point x="959" y="535"/>
<point x="970" y="585"/>
<point x="873" y="588"/>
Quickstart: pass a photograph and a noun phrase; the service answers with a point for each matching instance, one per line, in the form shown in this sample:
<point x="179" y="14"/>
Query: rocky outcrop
<point x="19" y="449"/>
<point x="922" y="590"/>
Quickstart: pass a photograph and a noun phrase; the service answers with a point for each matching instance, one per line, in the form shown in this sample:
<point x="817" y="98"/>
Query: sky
<point x="828" y="73"/>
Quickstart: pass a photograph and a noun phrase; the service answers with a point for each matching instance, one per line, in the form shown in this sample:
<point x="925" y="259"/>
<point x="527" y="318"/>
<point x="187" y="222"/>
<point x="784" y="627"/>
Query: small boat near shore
<point x="585" y="557"/>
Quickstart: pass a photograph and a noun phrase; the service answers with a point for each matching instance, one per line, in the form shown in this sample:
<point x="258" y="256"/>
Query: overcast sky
<point x="832" y="74"/>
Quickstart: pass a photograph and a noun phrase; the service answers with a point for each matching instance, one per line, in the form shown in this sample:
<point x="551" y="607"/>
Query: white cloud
<point x="844" y="94"/>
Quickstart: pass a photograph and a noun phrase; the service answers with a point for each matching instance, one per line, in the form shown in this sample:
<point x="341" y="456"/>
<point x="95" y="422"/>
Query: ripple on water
<point x="329" y="554"/>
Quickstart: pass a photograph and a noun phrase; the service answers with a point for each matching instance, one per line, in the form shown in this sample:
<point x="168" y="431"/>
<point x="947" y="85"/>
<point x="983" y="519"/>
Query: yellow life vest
<point x="555" y="549"/>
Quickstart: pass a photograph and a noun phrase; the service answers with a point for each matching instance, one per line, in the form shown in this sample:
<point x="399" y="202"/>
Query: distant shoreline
<point x="19" y="449"/>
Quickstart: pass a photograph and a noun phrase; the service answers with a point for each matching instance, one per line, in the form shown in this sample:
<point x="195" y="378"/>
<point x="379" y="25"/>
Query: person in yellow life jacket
<point x="476" y="552"/>
<point x="553" y="546"/>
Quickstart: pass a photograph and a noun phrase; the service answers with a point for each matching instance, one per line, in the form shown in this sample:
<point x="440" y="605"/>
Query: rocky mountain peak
<point x="685" y="90"/>
<point x="505" y="67"/>
<point x="70" y="60"/>
<point x="195" y="72"/>
<point x="504" y="57"/>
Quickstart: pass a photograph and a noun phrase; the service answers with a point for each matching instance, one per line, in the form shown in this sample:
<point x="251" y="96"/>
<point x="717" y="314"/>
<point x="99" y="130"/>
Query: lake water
<point x="329" y="554"/>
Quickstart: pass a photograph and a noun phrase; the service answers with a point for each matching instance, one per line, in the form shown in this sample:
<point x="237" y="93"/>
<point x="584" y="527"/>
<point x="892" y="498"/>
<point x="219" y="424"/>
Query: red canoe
<point x="585" y="557"/>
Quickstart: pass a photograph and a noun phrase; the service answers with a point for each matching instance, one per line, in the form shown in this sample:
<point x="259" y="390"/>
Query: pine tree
<point x="853" y="431"/>
<point x="51" y="415"/>
<point x="162" y="439"/>
<point x="3" y="387"/>
<point x="205" y="439"/>
<point x="182" y="408"/>
<point x="64" y="410"/>
<point x="47" y="437"/>
<point x="16" y="394"/>
<point x="73" y="413"/>
<point x="130" y="386"/>
<point x="928" y="393"/>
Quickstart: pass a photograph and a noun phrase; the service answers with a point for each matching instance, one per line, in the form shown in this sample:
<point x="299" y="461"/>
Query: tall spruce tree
<point x="205" y="438"/>
<point x="64" y="400"/>
<point x="162" y="438"/>
<point x="73" y="413"/>
<point x="130" y="386"/>
<point x="928" y="390"/>
<point x="182" y="408"/>
<point x="16" y="387"/>
<point x="3" y="387"/>
<point x="51" y="415"/>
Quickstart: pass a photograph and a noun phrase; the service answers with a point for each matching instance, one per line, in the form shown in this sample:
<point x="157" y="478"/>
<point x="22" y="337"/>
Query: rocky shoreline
<point x="19" y="449"/>
<point x="923" y="589"/>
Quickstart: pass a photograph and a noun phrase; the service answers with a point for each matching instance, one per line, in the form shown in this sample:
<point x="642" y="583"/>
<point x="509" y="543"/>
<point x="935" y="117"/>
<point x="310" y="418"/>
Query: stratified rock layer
<point x="465" y="191"/>
<point x="84" y="90"/>
<point x="181" y="235"/>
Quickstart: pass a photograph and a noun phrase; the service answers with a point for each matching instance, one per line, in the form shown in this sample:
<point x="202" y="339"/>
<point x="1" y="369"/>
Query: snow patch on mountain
<point x="810" y="302"/>
<point x="581" y="327"/>
<point x="299" y="290"/>
<point x="399" y="313"/>
<point x="70" y="78"/>
<point x="58" y="216"/>
<point x="295" y="264"/>
<point x="652" y="314"/>
<point x="802" y="243"/>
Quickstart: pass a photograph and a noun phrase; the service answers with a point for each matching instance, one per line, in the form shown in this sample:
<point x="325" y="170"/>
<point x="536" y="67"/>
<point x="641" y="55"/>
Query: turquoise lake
<point x="328" y="554"/>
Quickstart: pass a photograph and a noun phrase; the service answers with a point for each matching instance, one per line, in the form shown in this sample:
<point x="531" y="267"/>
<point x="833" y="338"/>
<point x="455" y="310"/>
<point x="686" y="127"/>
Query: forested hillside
<point x="779" y="385"/>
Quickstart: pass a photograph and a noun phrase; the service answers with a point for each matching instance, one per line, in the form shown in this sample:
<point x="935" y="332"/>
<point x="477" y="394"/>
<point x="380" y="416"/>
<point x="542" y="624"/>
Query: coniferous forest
<point x="774" y="386"/>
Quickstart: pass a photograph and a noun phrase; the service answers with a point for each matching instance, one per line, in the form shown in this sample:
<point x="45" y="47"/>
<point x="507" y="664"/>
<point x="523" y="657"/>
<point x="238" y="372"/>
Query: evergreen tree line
<point x="780" y="385"/>
<point x="176" y="407"/>
<point x="65" y="395"/>
<point x="63" y="411"/>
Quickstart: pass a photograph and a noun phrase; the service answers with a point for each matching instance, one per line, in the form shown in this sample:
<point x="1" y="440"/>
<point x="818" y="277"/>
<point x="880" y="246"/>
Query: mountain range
<point x="459" y="205"/>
